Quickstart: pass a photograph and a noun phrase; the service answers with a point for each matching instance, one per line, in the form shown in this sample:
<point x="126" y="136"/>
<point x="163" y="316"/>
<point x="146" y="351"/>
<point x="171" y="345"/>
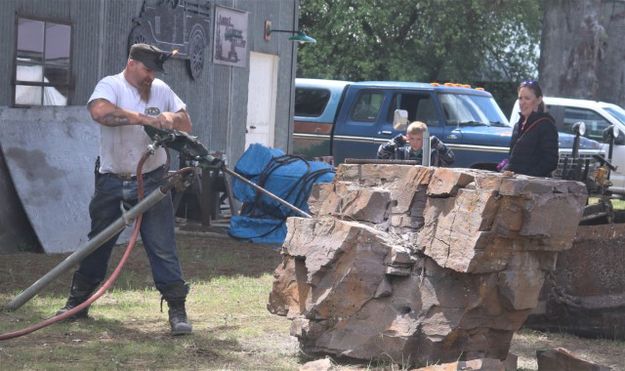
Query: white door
<point x="261" y="99"/>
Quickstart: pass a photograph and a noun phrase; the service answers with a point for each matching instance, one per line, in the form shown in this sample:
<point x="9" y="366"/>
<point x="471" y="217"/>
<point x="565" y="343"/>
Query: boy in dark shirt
<point x="409" y="147"/>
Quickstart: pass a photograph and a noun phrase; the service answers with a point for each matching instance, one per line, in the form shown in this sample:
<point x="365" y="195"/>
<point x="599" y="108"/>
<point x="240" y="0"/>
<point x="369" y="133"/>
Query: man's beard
<point x="144" y="90"/>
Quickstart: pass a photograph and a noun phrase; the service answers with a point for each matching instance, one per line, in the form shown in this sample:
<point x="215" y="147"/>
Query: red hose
<point x="109" y="282"/>
<point x="86" y="303"/>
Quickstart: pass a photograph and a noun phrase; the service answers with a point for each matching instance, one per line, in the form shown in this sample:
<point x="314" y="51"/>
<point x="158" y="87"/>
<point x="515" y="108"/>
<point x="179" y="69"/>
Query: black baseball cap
<point x="151" y="56"/>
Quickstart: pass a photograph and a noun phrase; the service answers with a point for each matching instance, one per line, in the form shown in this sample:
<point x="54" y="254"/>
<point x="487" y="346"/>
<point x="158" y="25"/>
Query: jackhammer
<point x="199" y="156"/>
<point x="186" y="145"/>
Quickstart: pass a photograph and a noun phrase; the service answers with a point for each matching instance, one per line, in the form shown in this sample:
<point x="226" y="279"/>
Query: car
<point x="175" y="24"/>
<point x="597" y="117"/>
<point x="316" y="105"/>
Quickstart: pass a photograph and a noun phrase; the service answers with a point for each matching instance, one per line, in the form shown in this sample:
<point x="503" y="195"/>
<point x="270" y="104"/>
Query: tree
<point x="582" y="54"/>
<point x="571" y="48"/>
<point x="420" y="40"/>
<point x="611" y="72"/>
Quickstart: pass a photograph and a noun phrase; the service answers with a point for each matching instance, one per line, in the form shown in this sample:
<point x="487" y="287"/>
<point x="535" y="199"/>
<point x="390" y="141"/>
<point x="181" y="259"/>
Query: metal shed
<point x="222" y="106"/>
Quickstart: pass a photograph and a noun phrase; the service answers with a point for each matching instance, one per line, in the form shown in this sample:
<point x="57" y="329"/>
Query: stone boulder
<point x="419" y="264"/>
<point x="559" y="359"/>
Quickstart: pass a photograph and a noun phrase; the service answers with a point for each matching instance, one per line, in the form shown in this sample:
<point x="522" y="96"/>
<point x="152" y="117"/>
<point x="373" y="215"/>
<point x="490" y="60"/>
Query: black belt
<point x="128" y="177"/>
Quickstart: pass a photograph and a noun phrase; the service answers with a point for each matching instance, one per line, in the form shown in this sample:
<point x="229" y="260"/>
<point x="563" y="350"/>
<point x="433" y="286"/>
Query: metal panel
<point x="16" y="234"/>
<point x="216" y="101"/>
<point x="50" y="9"/>
<point x="7" y="44"/>
<point x="51" y="162"/>
<point x="87" y="48"/>
<point x="221" y="96"/>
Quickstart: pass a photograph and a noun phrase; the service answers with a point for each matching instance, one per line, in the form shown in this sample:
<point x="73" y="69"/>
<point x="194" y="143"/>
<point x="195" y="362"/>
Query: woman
<point x="534" y="144"/>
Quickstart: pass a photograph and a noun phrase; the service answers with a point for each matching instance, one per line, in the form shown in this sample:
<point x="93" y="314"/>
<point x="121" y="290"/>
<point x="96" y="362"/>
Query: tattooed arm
<point x="108" y="114"/>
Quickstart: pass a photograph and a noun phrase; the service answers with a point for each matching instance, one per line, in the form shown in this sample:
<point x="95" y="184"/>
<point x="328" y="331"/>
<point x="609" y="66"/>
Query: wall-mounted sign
<point x="230" y="37"/>
<point x="175" y="24"/>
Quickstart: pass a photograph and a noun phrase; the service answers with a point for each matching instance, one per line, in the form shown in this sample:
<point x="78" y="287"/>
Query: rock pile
<point x="421" y="265"/>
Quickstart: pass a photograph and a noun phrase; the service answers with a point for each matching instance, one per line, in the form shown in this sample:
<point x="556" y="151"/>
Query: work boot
<point x="175" y="294"/>
<point x="80" y="291"/>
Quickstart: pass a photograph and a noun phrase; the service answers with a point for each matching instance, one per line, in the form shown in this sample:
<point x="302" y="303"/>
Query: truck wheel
<point x="196" y="54"/>
<point x="138" y="35"/>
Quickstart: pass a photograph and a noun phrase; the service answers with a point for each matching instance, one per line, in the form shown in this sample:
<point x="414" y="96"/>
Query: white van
<point x="597" y="116"/>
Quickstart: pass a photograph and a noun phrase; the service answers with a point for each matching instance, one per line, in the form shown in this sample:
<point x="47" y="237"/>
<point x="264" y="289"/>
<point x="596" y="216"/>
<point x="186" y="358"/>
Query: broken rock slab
<point x="481" y="364"/>
<point x="324" y="364"/>
<point x="560" y="359"/>
<point x="421" y="265"/>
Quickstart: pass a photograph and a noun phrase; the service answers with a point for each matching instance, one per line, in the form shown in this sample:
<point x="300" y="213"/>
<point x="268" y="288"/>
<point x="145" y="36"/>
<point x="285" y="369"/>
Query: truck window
<point x="617" y="112"/>
<point x="367" y="106"/>
<point x="466" y="109"/>
<point x="420" y="107"/>
<point x="311" y="102"/>
<point x="595" y="123"/>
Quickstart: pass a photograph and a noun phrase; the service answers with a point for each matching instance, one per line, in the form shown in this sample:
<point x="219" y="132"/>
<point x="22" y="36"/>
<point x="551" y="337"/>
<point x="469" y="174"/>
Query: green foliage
<point x="420" y="40"/>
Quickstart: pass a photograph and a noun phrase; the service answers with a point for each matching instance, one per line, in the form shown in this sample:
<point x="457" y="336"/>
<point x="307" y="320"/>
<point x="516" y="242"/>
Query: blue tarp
<point x="262" y="219"/>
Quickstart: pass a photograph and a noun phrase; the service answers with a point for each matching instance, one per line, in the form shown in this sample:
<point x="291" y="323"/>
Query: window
<point x="471" y="110"/>
<point x="617" y="112"/>
<point x="595" y="124"/>
<point x="311" y="102"/>
<point x="367" y="106"/>
<point x="420" y="107"/>
<point x="42" y="63"/>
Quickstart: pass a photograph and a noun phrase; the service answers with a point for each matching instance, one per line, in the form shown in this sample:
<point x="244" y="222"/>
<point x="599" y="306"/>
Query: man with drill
<point x="122" y="104"/>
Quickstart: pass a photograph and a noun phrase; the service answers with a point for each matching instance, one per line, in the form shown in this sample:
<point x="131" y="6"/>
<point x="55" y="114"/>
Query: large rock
<point x="422" y="264"/>
<point x="560" y="359"/>
<point x="585" y="299"/>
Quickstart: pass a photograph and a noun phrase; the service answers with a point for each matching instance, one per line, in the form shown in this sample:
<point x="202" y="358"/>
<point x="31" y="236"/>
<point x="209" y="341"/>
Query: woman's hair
<point x="416" y="127"/>
<point x="538" y="92"/>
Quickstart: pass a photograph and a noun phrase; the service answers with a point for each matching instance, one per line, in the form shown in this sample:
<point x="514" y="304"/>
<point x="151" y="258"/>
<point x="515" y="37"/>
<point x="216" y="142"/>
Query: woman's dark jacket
<point x="534" y="148"/>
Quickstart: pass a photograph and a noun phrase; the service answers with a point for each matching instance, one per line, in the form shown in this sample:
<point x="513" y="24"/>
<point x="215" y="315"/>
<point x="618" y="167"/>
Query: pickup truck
<point x="341" y="119"/>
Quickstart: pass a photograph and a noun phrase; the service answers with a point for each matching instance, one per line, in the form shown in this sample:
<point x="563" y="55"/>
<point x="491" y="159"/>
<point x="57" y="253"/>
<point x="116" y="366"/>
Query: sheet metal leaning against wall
<point x="16" y="234"/>
<point x="50" y="153"/>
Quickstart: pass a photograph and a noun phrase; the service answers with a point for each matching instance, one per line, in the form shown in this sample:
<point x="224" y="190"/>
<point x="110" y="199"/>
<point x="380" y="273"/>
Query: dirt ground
<point x="19" y="270"/>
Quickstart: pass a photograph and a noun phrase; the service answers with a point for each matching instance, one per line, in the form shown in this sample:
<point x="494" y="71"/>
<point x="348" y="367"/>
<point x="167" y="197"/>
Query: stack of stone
<point x="421" y="265"/>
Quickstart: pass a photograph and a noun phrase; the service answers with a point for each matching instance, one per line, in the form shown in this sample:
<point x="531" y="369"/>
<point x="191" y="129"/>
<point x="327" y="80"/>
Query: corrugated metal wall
<point x="217" y="102"/>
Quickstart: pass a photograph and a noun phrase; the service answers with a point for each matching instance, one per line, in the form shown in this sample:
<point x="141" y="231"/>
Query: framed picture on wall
<point x="230" y="37"/>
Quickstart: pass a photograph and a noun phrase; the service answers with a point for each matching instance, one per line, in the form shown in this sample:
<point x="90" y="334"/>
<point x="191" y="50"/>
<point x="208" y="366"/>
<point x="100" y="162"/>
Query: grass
<point x="227" y="305"/>
<point x="233" y="330"/>
<point x="602" y="351"/>
<point x="617" y="203"/>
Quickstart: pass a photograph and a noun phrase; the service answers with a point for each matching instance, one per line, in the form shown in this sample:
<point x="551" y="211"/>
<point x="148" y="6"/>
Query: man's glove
<point x="436" y="143"/>
<point x="399" y="140"/>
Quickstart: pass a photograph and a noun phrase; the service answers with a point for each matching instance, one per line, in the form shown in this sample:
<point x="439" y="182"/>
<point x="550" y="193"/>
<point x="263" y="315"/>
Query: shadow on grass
<point x="202" y="259"/>
<point x="142" y="344"/>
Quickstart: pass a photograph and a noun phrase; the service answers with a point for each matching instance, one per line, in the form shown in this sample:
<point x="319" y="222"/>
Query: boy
<point x="409" y="147"/>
